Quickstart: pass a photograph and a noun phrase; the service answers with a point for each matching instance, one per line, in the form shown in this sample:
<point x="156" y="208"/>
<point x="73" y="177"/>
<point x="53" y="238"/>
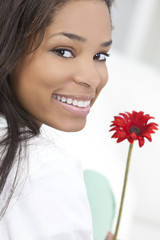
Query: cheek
<point x="35" y="83"/>
<point x="103" y="82"/>
<point x="104" y="79"/>
<point x="53" y="74"/>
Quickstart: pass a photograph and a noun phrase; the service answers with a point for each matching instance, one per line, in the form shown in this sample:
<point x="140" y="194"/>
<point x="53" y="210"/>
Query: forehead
<point x="84" y="17"/>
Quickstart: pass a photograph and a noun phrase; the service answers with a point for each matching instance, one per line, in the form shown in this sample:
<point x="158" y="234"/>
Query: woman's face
<point x="59" y="82"/>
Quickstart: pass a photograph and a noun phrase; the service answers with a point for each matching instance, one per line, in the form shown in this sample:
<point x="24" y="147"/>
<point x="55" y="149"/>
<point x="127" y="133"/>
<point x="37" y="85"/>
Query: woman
<point x="52" y="69"/>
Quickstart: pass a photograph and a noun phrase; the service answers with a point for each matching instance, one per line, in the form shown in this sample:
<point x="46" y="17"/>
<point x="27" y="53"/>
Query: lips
<point x="72" y="101"/>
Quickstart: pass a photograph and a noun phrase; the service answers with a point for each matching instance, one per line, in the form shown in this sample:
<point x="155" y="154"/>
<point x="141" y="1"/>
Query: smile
<point x="71" y="101"/>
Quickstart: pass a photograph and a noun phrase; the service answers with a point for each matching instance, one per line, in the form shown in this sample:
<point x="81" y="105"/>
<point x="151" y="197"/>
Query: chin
<point x="72" y="128"/>
<point x="75" y="126"/>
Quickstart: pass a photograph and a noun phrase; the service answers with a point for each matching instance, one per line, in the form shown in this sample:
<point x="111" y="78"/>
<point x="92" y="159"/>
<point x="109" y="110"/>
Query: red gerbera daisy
<point x="133" y="126"/>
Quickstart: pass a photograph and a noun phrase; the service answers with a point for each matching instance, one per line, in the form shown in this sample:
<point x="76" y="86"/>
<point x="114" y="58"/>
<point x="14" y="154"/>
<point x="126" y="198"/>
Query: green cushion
<point x="101" y="201"/>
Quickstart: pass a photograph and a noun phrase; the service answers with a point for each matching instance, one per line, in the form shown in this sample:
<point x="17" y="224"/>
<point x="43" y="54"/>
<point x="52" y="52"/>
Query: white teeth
<point x="63" y="99"/>
<point x="59" y="98"/>
<point x="80" y="104"/>
<point x="87" y="103"/>
<point x="75" y="102"/>
<point x="71" y="101"/>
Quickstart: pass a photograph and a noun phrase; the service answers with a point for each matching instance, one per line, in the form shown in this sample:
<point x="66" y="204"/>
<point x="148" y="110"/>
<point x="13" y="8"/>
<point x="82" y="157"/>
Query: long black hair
<point x="22" y="28"/>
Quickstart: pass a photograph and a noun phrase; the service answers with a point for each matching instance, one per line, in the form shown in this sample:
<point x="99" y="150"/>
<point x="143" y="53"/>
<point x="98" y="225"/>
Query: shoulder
<point x="44" y="152"/>
<point x="41" y="159"/>
<point x="53" y="192"/>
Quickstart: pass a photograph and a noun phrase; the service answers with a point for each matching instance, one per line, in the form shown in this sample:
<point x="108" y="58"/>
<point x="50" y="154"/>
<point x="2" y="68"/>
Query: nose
<point x="88" y="75"/>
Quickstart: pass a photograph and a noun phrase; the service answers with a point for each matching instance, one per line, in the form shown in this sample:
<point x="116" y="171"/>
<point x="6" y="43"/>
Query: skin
<point x="78" y="72"/>
<point x="110" y="236"/>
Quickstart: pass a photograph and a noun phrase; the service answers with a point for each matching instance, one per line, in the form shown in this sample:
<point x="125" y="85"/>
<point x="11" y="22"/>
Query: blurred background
<point x="137" y="31"/>
<point x="134" y="84"/>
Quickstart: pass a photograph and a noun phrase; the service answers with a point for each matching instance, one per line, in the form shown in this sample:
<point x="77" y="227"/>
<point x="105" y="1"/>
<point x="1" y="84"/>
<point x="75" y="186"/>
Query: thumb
<point x="110" y="236"/>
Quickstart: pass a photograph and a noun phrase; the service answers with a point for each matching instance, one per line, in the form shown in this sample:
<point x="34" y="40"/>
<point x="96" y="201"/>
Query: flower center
<point x="135" y="129"/>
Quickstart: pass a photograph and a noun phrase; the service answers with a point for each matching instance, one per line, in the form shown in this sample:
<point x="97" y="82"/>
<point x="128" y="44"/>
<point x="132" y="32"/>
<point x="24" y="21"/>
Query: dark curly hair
<point x="22" y="26"/>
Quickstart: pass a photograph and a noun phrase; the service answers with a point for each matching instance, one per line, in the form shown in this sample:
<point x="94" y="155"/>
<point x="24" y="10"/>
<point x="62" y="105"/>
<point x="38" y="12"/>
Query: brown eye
<point x="65" y="53"/>
<point x="101" y="56"/>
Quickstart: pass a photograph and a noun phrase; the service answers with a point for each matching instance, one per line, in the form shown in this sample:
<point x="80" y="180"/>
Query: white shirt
<point x="50" y="201"/>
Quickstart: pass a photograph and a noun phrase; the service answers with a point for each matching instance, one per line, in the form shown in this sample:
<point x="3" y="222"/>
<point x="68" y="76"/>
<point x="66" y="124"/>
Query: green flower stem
<point x="124" y="189"/>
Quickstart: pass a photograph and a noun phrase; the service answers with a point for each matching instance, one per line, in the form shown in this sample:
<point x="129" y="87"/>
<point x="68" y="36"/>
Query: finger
<point x="110" y="236"/>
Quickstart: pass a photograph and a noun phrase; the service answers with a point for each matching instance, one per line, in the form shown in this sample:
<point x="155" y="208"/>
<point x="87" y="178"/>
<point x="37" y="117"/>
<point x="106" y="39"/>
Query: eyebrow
<point x="82" y="39"/>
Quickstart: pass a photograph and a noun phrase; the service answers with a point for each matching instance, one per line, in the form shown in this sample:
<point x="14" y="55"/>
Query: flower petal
<point x="141" y="142"/>
<point x="123" y="124"/>
<point x="119" y="121"/>
<point x="133" y="136"/>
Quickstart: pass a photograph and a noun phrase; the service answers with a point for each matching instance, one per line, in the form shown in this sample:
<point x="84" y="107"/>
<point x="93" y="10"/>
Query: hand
<point x="110" y="236"/>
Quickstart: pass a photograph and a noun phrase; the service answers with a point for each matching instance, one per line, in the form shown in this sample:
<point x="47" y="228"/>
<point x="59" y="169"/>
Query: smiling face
<point x="59" y="82"/>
